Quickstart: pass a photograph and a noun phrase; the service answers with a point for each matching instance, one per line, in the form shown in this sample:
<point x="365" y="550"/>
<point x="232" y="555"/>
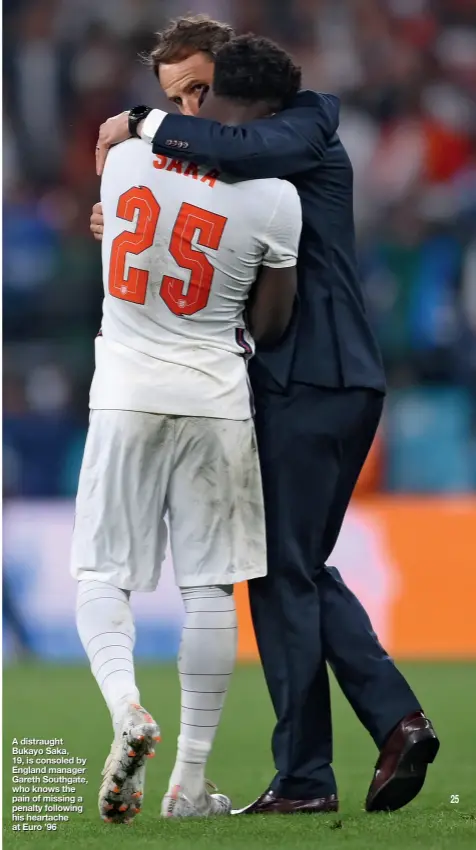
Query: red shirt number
<point x="133" y="287"/>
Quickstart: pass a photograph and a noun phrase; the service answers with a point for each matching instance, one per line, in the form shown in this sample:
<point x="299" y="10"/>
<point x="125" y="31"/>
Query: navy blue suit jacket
<point x="329" y="343"/>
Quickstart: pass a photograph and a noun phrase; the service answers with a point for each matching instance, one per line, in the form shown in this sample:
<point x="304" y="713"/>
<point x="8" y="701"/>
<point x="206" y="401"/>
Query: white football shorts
<point x="204" y="473"/>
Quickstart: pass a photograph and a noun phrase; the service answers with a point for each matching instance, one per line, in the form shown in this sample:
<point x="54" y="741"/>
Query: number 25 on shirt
<point x="210" y="227"/>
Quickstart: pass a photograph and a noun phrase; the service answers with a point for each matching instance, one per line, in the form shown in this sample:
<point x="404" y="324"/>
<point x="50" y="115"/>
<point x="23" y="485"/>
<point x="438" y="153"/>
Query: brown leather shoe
<point x="401" y="767"/>
<point x="270" y="804"/>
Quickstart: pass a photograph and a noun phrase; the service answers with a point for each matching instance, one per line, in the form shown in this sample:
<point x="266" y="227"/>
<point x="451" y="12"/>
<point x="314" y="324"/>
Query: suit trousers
<point x="313" y="443"/>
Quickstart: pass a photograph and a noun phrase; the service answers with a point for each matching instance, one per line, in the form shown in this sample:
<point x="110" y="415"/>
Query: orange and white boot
<point x="178" y="804"/>
<point x="122" y="787"/>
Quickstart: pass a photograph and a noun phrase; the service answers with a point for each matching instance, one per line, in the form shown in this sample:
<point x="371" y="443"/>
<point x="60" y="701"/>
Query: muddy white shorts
<point x="203" y="473"/>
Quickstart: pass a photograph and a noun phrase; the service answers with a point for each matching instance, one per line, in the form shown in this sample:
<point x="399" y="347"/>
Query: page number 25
<point x="133" y="287"/>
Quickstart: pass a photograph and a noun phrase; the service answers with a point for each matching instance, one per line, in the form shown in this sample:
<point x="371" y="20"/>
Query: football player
<point x="186" y="252"/>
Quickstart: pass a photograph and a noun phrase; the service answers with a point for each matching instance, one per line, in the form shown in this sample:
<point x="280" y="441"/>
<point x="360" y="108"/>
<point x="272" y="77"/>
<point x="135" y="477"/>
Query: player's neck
<point x="232" y="112"/>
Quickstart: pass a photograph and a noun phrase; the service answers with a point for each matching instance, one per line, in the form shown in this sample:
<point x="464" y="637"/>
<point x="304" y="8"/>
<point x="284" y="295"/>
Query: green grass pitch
<point x="48" y="701"/>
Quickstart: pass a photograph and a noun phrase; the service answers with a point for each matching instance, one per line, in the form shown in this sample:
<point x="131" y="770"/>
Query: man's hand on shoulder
<point x="121" y="127"/>
<point x="96" y="222"/>
<point x="112" y="132"/>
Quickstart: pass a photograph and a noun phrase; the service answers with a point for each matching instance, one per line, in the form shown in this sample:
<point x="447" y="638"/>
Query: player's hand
<point x="113" y="131"/>
<point x="96" y="222"/>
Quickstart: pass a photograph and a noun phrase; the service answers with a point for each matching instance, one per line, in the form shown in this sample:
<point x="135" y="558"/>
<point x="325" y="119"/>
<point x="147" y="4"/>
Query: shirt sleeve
<point x="291" y="142"/>
<point x="152" y="124"/>
<point x="284" y="230"/>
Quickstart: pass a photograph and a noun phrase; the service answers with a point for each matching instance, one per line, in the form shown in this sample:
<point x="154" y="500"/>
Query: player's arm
<point x="271" y="305"/>
<point x="271" y="301"/>
<point x="289" y="142"/>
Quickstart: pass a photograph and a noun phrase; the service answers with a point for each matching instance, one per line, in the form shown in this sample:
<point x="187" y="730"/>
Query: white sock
<point x="106" y="628"/>
<point x="206" y="661"/>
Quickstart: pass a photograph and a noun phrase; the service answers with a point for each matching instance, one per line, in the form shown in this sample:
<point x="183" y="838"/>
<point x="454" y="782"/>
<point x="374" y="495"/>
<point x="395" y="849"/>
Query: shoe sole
<point x="409" y="776"/>
<point x="120" y="804"/>
<point x="249" y="810"/>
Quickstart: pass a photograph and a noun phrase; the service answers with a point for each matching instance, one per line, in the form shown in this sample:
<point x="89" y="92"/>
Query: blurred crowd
<point x="405" y="71"/>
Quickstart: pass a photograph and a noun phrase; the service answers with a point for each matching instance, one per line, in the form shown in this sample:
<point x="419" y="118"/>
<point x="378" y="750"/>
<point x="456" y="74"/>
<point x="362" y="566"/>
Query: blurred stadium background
<point x="406" y="74"/>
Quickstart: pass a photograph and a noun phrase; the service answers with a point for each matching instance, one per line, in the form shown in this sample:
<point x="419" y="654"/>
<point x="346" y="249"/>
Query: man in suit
<point x="318" y="399"/>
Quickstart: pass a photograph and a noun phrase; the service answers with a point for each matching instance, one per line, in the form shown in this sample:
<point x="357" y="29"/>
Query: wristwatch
<point x="136" y="115"/>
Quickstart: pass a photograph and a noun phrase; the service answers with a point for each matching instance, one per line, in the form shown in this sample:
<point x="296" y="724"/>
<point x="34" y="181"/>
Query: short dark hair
<point x="187" y="35"/>
<point x="250" y="68"/>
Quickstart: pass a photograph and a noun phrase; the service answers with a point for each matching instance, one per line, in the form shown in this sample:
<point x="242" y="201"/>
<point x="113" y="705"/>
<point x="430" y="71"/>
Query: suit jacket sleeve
<point x="290" y="142"/>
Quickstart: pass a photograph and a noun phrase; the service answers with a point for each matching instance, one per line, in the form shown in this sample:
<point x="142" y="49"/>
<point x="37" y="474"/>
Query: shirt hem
<point x="166" y="411"/>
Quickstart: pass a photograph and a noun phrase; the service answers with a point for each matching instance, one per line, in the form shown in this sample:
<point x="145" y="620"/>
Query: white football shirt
<point x="181" y="249"/>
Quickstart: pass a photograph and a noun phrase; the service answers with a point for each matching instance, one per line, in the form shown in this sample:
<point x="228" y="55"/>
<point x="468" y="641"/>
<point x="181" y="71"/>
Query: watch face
<point x="136" y="115"/>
